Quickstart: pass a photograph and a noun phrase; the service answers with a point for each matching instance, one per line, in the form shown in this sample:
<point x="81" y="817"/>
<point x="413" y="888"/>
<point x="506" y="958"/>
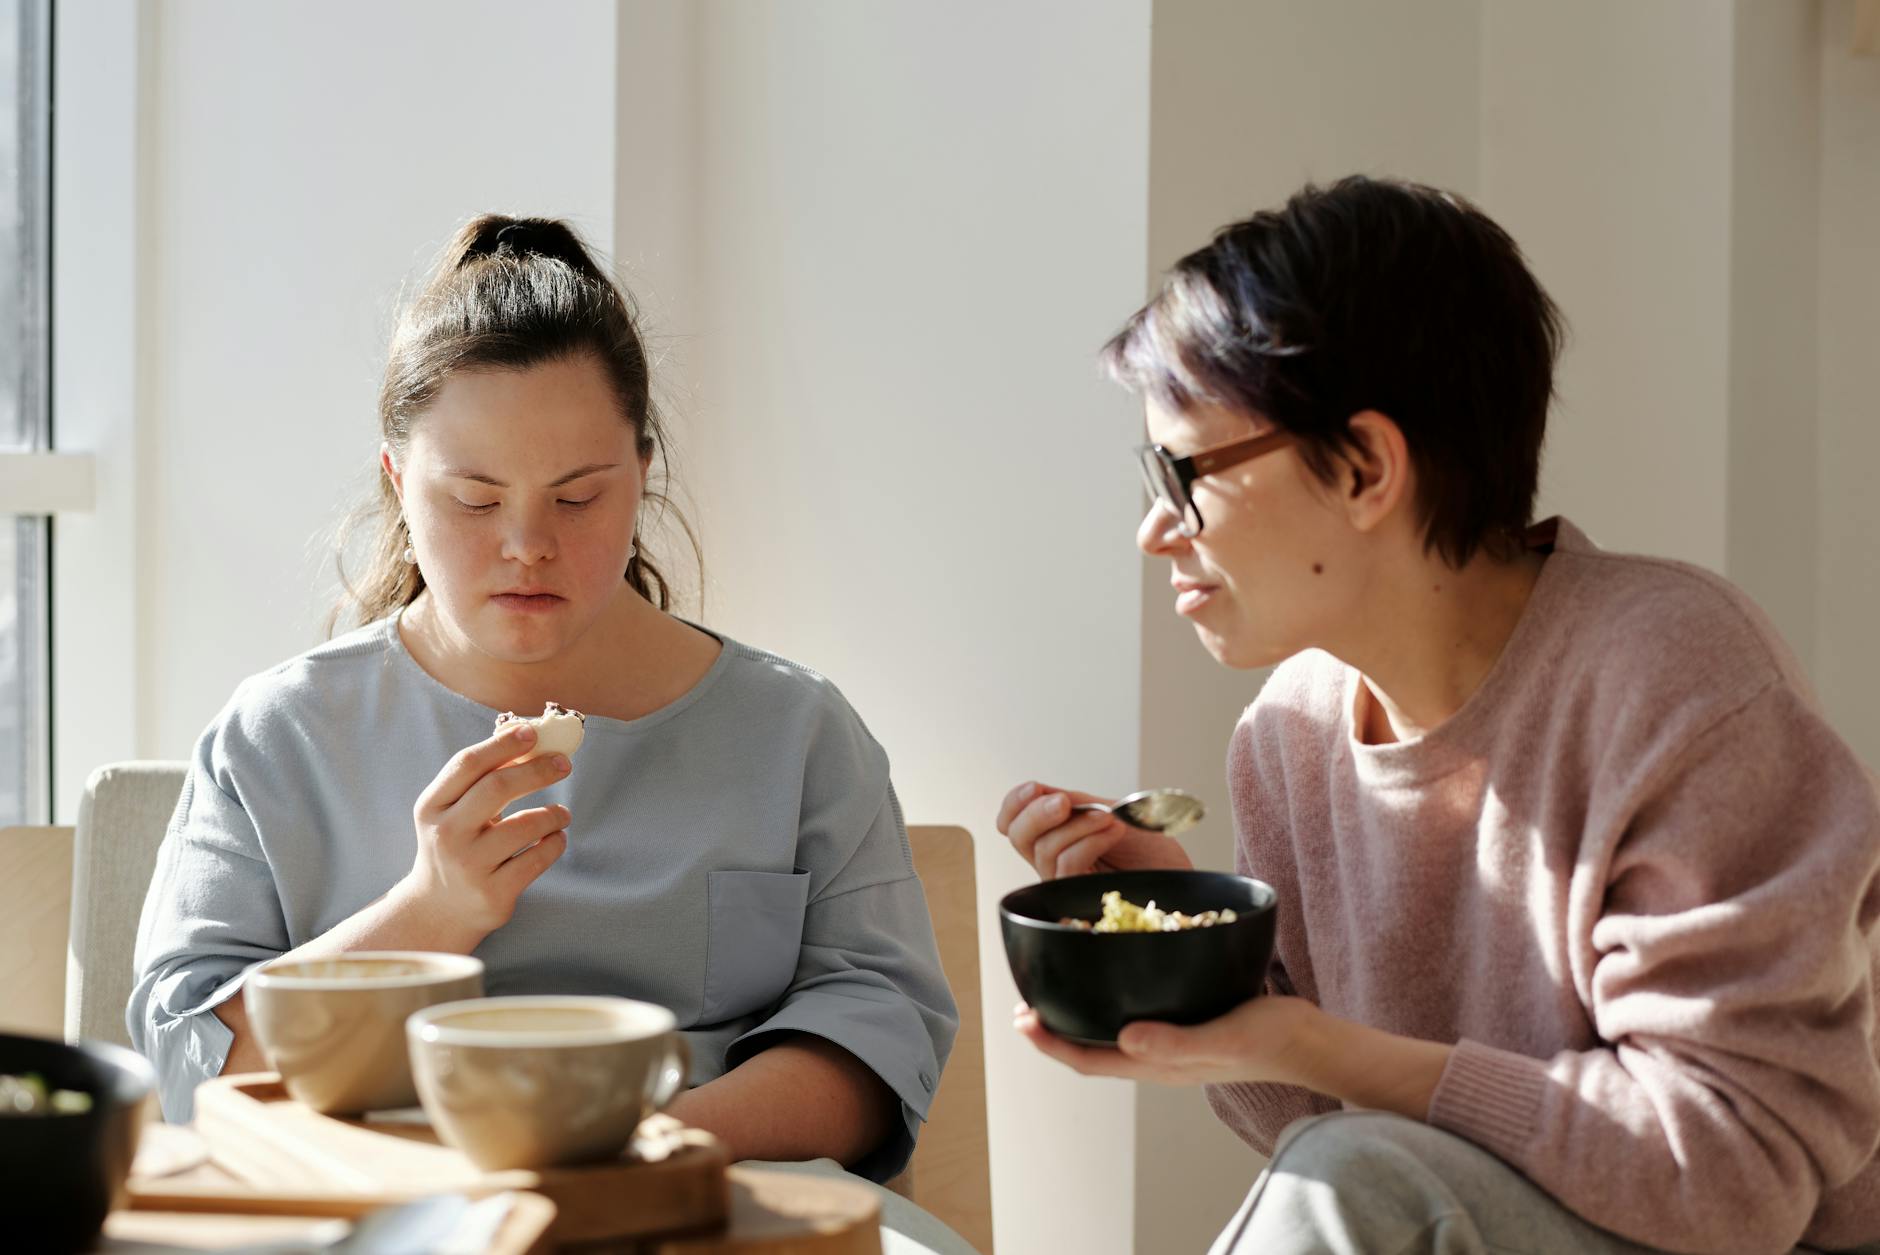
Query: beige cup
<point x="529" y="1082"/>
<point x="335" y="1028"/>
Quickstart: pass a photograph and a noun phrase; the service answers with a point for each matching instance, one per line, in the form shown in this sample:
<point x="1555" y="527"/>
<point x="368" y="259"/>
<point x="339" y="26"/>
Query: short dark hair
<point x="1370" y="294"/>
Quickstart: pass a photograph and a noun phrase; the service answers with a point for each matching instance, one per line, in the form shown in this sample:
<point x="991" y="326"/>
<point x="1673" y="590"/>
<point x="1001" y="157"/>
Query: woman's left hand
<point x="1266" y="1040"/>
<point x="1262" y="1039"/>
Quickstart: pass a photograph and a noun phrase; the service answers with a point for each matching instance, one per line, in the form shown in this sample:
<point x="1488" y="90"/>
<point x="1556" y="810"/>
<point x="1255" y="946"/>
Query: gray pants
<point x="1368" y="1183"/>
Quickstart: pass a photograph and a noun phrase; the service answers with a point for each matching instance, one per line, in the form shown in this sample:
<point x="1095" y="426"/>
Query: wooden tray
<point x="291" y="1160"/>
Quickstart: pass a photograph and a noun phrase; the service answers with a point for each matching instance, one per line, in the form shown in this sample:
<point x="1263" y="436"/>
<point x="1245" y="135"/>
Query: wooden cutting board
<point x="296" y="1161"/>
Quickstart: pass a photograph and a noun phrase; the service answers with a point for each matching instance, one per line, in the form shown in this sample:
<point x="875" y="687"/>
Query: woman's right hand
<point x="473" y="862"/>
<point x="1038" y="820"/>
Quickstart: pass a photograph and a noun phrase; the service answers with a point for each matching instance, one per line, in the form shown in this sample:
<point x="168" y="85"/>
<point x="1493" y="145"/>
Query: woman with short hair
<point x="1576" y="884"/>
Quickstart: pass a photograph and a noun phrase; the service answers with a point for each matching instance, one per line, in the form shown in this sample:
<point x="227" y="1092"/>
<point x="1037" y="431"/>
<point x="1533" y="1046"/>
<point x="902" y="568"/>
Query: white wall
<point x="1773" y="431"/>
<point x="300" y="163"/>
<point x="1696" y="184"/>
<point x="915" y="224"/>
<point x="1605" y="131"/>
<point x="656" y="241"/>
<point x="1849" y="322"/>
<point x="1659" y="163"/>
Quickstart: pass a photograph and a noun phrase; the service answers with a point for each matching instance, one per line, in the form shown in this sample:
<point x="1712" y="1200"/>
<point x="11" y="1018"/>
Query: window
<point x="25" y="420"/>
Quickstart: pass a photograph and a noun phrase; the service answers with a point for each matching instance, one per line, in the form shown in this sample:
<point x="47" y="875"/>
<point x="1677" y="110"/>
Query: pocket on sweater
<point x="754" y="930"/>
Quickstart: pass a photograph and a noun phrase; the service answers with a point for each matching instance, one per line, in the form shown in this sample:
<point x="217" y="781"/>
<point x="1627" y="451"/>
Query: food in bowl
<point x="1120" y="916"/>
<point x="558" y="730"/>
<point x="1085" y="986"/>
<point x="29" y="1095"/>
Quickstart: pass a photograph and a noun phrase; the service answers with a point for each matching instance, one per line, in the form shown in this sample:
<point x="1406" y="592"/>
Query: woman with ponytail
<point x="729" y="844"/>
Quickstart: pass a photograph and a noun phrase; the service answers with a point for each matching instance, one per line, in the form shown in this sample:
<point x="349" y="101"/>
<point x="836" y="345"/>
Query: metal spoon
<point x="1167" y="811"/>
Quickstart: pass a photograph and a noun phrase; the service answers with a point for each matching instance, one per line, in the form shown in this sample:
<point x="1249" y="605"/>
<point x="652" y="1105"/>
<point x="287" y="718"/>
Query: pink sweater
<point x="1633" y="880"/>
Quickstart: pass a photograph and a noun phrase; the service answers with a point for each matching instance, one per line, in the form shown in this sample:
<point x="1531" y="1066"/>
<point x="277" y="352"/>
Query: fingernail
<point x="561" y="762"/>
<point x="1134" y="1041"/>
<point x="1054" y="802"/>
<point x="525" y="732"/>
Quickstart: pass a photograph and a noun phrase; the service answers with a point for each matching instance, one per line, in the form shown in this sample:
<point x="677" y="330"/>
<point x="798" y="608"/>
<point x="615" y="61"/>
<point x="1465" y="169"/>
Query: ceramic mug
<point x="525" y="1082"/>
<point x="335" y="1028"/>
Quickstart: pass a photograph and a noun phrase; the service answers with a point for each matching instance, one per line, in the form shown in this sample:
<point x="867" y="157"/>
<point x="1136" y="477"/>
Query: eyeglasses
<point x="1169" y="478"/>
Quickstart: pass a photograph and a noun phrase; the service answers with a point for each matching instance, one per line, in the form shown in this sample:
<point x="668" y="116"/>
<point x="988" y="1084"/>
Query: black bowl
<point x="1087" y="985"/>
<point x="61" y="1174"/>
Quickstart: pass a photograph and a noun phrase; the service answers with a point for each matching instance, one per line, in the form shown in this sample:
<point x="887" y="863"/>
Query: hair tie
<point x="514" y="234"/>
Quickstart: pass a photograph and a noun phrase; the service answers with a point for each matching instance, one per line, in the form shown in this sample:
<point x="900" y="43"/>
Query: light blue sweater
<point x="738" y="856"/>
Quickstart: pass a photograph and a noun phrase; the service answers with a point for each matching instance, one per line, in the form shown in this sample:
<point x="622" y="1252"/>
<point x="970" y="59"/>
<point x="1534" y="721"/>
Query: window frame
<point x="34" y="482"/>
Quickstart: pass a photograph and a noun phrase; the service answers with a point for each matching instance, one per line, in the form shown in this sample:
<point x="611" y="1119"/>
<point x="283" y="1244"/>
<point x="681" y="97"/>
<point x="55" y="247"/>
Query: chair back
<point x="951" y="1171"/>
<point x="35" y="907"/>
<point x="121" y="821"/>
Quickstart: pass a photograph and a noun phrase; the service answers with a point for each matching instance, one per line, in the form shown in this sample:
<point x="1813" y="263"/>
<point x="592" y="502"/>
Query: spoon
<point x="1167" y="811"/>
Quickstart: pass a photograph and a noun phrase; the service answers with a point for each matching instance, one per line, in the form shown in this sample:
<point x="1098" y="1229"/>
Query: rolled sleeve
<point x="174" y="1025"/>
<point x="212" y="914"/>
<point x="868" y="978"/>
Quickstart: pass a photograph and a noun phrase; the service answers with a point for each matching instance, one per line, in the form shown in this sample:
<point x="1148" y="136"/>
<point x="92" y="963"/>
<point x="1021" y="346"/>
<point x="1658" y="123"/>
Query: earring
<point x="411" y="556"/>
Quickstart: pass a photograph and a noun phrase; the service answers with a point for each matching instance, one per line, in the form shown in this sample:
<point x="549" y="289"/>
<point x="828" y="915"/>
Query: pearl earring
<point x="411" y="556"/>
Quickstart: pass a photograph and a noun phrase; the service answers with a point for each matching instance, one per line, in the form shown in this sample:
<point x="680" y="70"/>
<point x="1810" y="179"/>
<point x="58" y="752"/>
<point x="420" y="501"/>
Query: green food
<point x="27" y="1095"/>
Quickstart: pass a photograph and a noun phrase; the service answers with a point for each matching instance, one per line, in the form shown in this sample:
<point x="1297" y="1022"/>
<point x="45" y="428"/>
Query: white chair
<point x="121" y="822"/>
